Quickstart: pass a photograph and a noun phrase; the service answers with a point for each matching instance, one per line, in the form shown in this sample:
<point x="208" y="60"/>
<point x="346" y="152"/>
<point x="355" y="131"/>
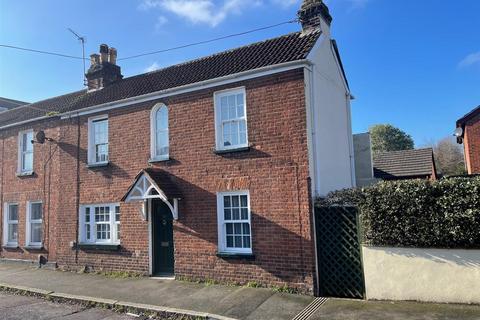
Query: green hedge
<point x="417" y="213"/>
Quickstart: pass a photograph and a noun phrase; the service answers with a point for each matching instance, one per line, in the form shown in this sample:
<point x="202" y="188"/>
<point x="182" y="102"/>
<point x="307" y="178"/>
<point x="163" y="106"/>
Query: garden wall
<point x="421" y="239"/>
<point x="431" y="275"/>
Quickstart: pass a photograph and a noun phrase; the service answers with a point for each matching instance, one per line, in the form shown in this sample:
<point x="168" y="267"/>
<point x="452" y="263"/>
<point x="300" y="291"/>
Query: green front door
<point x="162" y="236"/>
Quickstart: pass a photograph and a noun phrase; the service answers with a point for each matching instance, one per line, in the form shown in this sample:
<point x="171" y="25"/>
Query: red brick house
<point x="468" y="133"/>
<point x="205" y="170"/>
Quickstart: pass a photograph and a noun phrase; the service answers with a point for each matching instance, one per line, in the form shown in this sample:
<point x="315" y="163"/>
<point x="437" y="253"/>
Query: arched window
<point x="159" y="132"/>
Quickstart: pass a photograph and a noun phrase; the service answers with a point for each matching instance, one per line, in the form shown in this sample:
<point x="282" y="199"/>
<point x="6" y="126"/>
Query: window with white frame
<point x="98" y="140"/>
<point x="10" y="224"/>
<point x="25" y="151"/>
<point x="159" y="132"/>
<point x="231" y="119"/>
<point x="100" y="224"/>
<point x="34" y="230"/>
<point x="234" y="227"/>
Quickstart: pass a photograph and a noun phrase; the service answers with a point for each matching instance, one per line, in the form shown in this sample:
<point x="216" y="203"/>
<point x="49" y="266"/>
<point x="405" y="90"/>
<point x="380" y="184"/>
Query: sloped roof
<point x="287" y="48"/>
<point x="10" y="103"/>
<point x="403" y="164"/>
<point x="468" y="116"/>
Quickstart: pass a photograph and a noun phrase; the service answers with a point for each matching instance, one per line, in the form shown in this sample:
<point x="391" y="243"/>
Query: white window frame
<point x="153" y="133"/>
<point x="91" y="140"/>
<point x="218" y="118"/>
<point x="29" y="221"/>
<point x="21" y="153"/>
<point x="222" y="228"/>
<point x="92" y="224"/>
<point x="6" y="222"/>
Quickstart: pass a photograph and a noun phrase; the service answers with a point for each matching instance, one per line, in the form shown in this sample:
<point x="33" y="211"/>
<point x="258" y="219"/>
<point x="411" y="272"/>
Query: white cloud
<point x="154" y="66"/>
<point x="471" y="59"/>
<point x="201" y="11"/>
<point x="161" y="21"/>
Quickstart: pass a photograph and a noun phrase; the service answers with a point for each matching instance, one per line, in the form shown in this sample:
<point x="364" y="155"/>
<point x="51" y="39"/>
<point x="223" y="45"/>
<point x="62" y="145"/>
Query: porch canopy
<point x="146" y="186"/>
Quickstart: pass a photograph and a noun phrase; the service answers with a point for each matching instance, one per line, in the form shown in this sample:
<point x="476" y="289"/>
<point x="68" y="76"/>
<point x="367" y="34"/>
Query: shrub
<point x="417" y="213"/>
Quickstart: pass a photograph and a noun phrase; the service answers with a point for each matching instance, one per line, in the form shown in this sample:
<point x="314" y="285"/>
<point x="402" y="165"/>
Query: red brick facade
<point x="472" y="144"/>
<point x="275" y="171"/>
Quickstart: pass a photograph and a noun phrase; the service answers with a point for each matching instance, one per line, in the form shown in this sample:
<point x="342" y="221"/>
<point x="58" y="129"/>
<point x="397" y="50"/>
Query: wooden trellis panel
<point x="339" y="255"/>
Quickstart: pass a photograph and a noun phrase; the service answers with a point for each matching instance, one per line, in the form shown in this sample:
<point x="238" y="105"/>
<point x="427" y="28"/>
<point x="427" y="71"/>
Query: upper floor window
<point x="231" y="119"/>
<point x="34" y="230"/>
<point x="100" y="224"/>
<point x="98" y="140"/>
<point x="234" y="231"/>
<point x="25" y="152"/>
<point x="159" y="133"/>
<point x="10" y="225"/>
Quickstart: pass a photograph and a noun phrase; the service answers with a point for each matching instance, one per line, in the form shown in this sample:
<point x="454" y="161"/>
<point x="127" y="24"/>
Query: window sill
<point x="33" y="247"/>
<point x="11" y="246"/>
<point x="98" y="165"/>
<point x="239" y="149"/>
<point x="238" y="256"/>
<point x="160" y="159"/>
<point x="100" y="247"/>
<point x="25" y="174"/>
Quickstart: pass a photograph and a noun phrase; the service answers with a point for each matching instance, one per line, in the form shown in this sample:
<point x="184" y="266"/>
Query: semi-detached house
<point x="203" y="170"/>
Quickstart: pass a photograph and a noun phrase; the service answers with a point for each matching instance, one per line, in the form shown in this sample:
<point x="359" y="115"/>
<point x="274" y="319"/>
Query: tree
<point x="449" y="157"/>
<point x="386" y="137"/>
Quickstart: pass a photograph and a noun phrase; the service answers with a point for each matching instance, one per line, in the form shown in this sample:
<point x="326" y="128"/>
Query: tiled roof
<point x="403" y="164"/>
<point x="287" y="48"/>
<point x="468" y="116"/>
<point x="10" y="103"/>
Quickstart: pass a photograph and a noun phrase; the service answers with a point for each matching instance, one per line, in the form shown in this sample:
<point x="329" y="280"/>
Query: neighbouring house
<point x="393" y="165"/>
<point x="7" y="104"/>
<point x="468" y="133"/>
<point x="362" y="146"/>
<point x="204" y="170"/>
<point x="405" y="164"/>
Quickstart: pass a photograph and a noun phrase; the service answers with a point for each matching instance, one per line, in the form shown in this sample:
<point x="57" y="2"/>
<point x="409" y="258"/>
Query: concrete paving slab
<point x="242" y="302"/>
<point x="280" y="306"/>
<point x="336" y="309"/>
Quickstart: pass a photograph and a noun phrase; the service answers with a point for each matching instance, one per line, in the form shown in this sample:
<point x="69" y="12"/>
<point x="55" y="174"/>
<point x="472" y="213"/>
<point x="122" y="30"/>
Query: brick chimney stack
<point x="103" y="68"/>
<point x="314" y="15"/>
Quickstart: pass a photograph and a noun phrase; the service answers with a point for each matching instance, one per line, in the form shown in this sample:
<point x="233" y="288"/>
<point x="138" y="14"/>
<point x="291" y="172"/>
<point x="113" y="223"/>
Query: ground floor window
<point x="10" y="230"/>
<point x="234" y="227"/>
<point x="34" y="230"/>
<point x="100" y="224"/>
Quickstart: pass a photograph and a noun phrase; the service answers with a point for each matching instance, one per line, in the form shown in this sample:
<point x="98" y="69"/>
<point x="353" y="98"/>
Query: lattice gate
<point x="338" y="251"/>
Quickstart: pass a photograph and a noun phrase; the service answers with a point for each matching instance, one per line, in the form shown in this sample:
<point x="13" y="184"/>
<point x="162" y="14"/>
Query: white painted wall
<point x="330" y="130"/>
<point x="430" y="275"/>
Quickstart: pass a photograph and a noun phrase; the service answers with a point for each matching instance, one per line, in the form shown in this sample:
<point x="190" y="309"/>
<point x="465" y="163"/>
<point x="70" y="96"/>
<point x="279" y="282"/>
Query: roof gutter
<point x="27" y="121"/>
<point x="250" y="74"/>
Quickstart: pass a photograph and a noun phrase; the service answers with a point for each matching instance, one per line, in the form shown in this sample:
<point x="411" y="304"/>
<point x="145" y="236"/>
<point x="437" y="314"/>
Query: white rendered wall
<point x="430" y="275"/>
<point x="330" y="145"/>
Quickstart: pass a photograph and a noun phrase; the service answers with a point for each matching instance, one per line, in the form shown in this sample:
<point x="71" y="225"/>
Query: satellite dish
<point x="458" y="132"/>
<point x="40" y="137"/>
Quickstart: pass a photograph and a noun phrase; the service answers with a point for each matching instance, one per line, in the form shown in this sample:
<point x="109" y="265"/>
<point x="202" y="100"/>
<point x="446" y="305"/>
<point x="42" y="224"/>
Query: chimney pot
<point x="103" y="70"/>
<point x="312" y="12"/>
<point x="103" y="53"/>
<point x="112" y="52"/>
<point x="94" y="59"/>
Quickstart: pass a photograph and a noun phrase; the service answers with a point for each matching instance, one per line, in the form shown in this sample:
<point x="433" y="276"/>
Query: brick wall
<point x="274" y="170"/>
<point x="41" y="186"/>
<point x="472" y="144"/>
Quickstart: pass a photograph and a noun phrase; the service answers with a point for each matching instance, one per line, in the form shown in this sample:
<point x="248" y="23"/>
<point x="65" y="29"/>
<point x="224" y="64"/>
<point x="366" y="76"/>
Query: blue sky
<point x="412" y="63"/>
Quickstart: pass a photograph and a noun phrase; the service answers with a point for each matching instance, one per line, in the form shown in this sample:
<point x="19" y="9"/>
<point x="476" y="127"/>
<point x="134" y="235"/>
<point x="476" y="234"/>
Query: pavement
<point x="14" y="307"/>
<point x="211" y="301"/>
<point x="216" y="300"/>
